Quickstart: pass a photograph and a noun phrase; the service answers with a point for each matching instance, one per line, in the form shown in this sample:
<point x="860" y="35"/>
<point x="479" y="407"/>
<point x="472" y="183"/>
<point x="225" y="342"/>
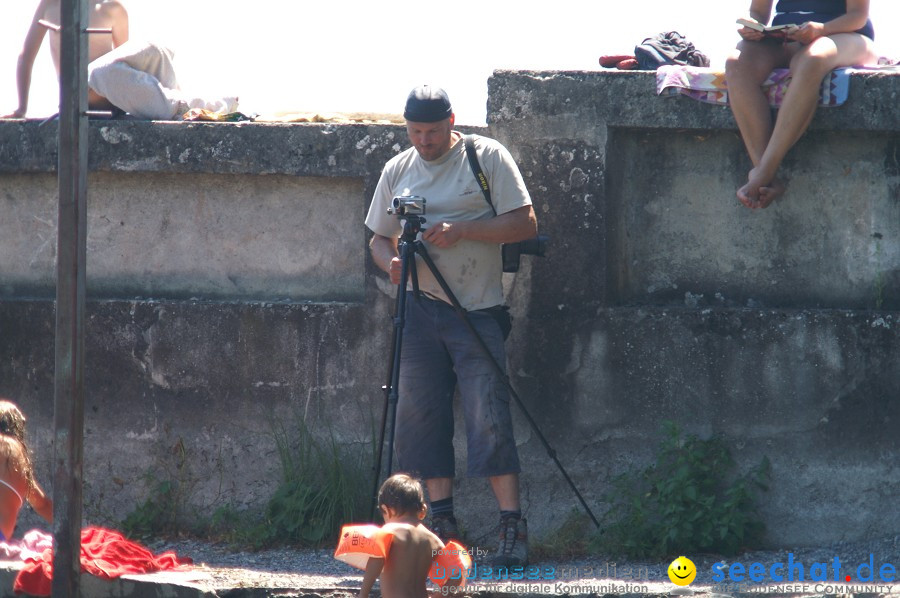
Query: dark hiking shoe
<point x="513" y="548"/>
<point x="445" y="528"/>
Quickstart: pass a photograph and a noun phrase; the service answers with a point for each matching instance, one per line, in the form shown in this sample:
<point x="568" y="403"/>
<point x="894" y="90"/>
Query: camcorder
<point x="414" y="205"/>
<point x="407" y="205"/>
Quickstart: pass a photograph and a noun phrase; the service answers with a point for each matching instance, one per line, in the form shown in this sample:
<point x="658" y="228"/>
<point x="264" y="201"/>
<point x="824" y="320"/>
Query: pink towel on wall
<point x="30" y="546"/>
<point x="709" y="84"/>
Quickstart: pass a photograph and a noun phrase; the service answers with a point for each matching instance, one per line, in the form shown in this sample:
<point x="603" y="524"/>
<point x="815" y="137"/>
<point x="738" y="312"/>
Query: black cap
<point x="427" y="104"/>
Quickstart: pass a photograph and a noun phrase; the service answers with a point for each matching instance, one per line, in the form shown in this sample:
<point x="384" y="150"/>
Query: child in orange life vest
<point x="405" y="568"/>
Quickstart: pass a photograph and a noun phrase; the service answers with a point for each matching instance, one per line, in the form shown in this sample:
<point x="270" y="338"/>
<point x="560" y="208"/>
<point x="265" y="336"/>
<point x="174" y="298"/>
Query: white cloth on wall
<point x="139" y="78"/>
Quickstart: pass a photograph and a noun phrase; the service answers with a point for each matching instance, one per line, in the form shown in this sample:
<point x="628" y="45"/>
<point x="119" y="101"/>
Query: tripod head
<point x="412" y="226"/>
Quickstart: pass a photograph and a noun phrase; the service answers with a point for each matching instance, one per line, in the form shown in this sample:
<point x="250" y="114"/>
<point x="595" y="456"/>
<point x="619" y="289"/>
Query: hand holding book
<point x="778" y="31"/>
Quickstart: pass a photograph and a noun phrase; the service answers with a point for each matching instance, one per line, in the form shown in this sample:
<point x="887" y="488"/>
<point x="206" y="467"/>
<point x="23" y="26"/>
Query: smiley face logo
<point x="682" y="571"/>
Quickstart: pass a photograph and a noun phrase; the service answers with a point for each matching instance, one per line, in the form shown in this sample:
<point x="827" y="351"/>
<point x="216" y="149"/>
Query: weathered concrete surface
<point x="661" y="298"/>
<point x="801" y="387"/>
<point x="672" y="238"/>
<point x="195" y="406"/>
<point x="200" y="236"/>
<point x="220" y="148"/>
<point x="581" y="100"/>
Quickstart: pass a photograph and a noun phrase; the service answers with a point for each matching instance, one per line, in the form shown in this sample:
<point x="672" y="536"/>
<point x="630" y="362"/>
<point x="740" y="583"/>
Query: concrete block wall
<point x="230" y="286"/>
<point x="664" y="298"/>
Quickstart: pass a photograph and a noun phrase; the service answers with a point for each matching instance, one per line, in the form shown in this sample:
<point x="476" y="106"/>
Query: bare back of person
<point x="409" y="561"/>
<point x="108" y="14"/>
<point x="13" y="483"/>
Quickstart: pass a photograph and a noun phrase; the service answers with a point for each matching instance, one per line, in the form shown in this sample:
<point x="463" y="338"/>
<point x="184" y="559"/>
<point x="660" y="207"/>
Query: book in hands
<point x="773" y="30"/>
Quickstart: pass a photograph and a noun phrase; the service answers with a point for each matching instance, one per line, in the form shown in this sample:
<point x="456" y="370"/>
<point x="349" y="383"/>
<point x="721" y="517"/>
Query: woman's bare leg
<point x="745" y="71"/>
<point x="808" y="67"/>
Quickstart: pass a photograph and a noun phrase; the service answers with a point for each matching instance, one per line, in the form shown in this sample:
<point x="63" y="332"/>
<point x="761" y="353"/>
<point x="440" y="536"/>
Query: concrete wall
<point x="192" y="235"/>
<point x="231" y="286"/>
<point x="229" y="293"/>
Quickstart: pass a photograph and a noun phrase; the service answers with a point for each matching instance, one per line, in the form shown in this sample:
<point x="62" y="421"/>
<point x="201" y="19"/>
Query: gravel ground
<point x="316" y="570"/>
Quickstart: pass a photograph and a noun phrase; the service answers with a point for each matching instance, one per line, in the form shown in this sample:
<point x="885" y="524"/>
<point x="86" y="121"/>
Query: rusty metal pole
<point x="70" y="297"/>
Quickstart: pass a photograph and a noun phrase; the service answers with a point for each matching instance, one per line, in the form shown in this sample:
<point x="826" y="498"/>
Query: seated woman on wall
<point x="829" y="34"/>
<point x="17" y="483"/>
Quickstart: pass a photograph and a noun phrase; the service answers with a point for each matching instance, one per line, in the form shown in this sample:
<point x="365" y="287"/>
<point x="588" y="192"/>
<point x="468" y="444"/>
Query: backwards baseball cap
<point x="427" y="104"/>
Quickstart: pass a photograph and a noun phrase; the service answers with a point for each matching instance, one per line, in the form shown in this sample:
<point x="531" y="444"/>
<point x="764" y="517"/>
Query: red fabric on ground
<point x="104" y="553"/>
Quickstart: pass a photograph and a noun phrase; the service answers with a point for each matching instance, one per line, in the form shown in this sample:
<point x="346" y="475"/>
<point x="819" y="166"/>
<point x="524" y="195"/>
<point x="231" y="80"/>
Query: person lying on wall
<point x="130" y="76"/>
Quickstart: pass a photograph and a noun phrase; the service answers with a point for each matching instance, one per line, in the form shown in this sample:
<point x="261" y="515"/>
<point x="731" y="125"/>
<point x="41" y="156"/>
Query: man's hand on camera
<point x="444" y="234"/>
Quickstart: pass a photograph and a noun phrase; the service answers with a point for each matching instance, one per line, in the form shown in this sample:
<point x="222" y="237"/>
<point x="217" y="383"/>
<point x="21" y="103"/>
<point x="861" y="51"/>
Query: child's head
<point x="12" y="422"/>
<point x="402" y="495"/>
<point x="12" y="441"/>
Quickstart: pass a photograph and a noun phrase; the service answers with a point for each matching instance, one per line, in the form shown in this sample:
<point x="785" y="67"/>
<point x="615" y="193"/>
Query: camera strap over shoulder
<point x="476" y="170"/>
<point x="500" y="313"/>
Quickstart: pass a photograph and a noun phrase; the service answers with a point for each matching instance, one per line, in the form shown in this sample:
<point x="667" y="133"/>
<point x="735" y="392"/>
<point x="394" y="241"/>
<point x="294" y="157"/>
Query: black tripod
<point x="408" y="247"/>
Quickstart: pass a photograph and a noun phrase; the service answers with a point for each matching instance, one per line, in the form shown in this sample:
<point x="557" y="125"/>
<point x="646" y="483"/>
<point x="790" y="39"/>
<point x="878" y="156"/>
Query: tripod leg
<point x="419" y="248"/>
<point x="389" y="413"/>
<point x="384" y="414"/>
<point x="407" y="272"/>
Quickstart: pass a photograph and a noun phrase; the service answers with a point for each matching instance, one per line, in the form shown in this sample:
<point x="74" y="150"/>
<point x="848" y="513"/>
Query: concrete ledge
<point x="258" y="148"/>
<point x="158" y="585"/>
<point x="575" y="100"/>
<point x="220" y="148"/>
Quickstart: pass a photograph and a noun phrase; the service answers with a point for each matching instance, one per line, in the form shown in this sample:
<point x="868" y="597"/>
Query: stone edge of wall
<point x="605" y="98"/>
<point x="629" y="99"/>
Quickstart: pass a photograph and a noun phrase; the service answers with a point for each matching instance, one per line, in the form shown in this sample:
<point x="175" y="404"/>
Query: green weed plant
<point x="166" y="510"/>
<point x="155" y="515"/>
<point x="324" y="485"/>
<point x="689" y="501"/>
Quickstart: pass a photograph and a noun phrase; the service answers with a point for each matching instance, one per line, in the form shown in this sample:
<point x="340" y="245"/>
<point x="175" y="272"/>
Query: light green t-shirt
<point x="472" y="269"/>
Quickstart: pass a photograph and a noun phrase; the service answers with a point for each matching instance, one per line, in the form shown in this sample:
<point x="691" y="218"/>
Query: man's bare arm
<point x="25" y="64"/>
<point x="513" y="226"/>
<point x="117" y="16"/>
<point x="384" y="253"/>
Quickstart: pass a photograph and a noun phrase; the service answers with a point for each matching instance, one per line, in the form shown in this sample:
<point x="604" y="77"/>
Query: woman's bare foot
<point x="758" y="193"/>
<point x="771" y="192"/>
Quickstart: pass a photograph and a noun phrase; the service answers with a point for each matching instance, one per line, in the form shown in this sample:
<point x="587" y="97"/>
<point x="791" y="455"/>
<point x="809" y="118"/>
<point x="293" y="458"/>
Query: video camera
<point x="407" y="205"/>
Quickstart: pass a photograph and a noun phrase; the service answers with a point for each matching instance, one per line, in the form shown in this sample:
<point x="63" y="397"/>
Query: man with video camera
<point x="462" y="235"/>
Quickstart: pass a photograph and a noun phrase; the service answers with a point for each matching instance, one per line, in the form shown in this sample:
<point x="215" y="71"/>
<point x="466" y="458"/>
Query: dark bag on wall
<point x="669" y="47"/>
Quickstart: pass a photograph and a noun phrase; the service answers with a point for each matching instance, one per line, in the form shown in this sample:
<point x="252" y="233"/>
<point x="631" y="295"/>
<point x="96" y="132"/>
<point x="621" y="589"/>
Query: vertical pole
<point x="70" y="295"/>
